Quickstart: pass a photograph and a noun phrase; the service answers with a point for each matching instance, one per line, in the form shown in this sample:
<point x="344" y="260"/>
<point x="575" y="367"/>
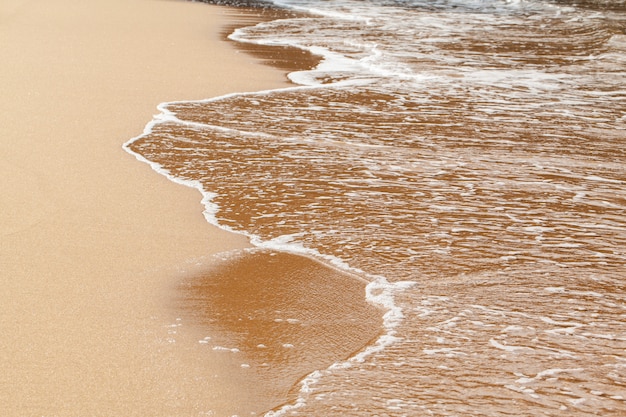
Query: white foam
<point x="225" y="349"/>
<point x="449" y="352"/>
<point x="523" y="390"/>
<point x="309" y="8"/>
<point x="602" y="179"/>
<point x="510" y="348"/>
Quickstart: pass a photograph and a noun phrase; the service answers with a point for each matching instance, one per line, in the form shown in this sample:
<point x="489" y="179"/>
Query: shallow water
<point x="466" y="156"/>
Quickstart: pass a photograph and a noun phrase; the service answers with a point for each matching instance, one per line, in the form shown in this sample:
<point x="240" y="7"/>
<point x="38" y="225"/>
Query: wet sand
<point x="93" y="244"/>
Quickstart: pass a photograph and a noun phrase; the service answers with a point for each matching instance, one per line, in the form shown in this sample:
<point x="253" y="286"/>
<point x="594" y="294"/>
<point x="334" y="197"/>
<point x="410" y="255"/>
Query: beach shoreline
<point x="423" y="155"/>
<point x="274" y="316"/>
<point x="97" y="251"/>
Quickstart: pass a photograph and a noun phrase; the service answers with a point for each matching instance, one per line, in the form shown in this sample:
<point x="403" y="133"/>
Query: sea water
<point x="467" y="158"/>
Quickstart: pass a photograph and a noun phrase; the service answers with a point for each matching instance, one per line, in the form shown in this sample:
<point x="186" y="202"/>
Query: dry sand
<point x="89" y="237"/>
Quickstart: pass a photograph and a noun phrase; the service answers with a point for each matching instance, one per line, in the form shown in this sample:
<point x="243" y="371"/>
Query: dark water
<point x="467" y="158"/>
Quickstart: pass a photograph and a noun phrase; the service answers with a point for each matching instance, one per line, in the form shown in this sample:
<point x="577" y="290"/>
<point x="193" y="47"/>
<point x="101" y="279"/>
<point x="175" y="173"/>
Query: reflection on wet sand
<point x="280" y="315"/>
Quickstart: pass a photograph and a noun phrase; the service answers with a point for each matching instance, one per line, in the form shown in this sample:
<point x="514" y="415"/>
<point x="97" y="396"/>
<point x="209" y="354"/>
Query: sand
<point x="94" y="245"/>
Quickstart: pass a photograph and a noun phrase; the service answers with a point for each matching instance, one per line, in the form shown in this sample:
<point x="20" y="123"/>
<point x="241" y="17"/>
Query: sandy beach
<point x="90" y="238"/>
<point x="469" y="165"/>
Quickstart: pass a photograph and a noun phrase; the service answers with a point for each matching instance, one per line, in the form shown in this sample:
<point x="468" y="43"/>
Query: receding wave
<point x="474" y="149"/>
